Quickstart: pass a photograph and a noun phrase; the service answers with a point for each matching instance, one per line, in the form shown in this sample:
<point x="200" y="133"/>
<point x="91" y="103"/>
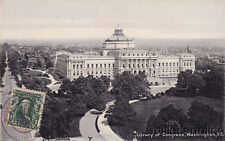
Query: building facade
<point x="118" y="54"/>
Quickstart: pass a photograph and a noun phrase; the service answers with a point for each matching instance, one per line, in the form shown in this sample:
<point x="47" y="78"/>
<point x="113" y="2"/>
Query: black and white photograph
<point x="112" y="70"/>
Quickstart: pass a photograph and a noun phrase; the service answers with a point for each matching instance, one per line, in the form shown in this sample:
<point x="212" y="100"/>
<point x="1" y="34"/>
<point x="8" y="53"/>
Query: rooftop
<point x="118" y="36"/>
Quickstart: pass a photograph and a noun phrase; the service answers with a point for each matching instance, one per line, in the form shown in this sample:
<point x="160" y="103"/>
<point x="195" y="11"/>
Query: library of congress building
<point x="117" y="55"/>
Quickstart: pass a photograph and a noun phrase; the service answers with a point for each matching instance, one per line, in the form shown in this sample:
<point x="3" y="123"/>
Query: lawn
<point x="151" y="107"/>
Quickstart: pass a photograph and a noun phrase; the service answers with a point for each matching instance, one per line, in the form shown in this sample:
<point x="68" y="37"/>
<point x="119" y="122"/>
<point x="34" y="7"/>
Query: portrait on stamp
<point x="26" y="109"/>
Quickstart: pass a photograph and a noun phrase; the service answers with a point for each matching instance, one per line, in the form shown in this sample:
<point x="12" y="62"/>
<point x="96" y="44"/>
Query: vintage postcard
<point x="112" y="70"/>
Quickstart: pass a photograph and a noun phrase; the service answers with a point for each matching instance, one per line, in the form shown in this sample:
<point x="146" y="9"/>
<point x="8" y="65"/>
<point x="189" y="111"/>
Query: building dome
<point x="118" y="35"/>
<point x="117" y="41"/>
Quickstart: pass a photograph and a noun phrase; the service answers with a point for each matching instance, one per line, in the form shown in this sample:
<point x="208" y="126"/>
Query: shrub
<point x="156" y="84"/>
<point x="158" y="95"/>
<point x="162" y="93"/>
<point x="45" y="75"/>
<point x="149" y="97"/>
<point x="153" y="97"/>
<point x="171" y="92"/>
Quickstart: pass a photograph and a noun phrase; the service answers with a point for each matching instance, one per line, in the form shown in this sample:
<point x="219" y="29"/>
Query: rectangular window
<point x="173" y="64"/>
<point x="166" y="64"/>
<point x="92" y="65"/>
<point x="123" y="66"/>
<point x="177" y="64"/>
<point x="73" y="66"/>
<point x="77" y="66"/>
<point x="162" y="64"/>
<point x="129" y="65"/>
<point x="100" y="65"/>
<point x="159" y="64"/>
<point x="142" y="65"/>
<point x="96" y="65"/>
<point x="170" y="64"/>
<point x="87" y="65"/>
<point x="109" y="65"/>
<point x="113" y="65"/>
<point x="81" y="66"/>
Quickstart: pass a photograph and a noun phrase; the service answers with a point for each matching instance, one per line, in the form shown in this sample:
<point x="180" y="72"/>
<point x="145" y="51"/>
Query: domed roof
<point x="118" y="36"/>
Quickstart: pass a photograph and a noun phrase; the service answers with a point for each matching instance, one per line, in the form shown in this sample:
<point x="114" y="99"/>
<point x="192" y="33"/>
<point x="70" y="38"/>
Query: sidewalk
<point x="105" y="130"/>
<point x="88" y="129"/>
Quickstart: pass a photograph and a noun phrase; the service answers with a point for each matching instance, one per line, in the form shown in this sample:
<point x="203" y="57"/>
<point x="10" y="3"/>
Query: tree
<point x="73" y="101"/>
<point x="126" y="87"/>
<point x="48" y="62"/>
<point x="24" y="63"/>
<point x="54" y="125"/>
<point x="106" y="80"/>
<point x="167" y="117"/>
<point x="122" y="113"/>
<point x="190" y="84"/>
<point x="214" y="78"/>
<point x="2" y="61"/>
<point x="213" y="74"/>
<point x="170" y="113"/>
<point x="132" y="86"/>
<point x="66" y="87"/>
<point x="88" y="90"/>
<point x="201" y="116"/>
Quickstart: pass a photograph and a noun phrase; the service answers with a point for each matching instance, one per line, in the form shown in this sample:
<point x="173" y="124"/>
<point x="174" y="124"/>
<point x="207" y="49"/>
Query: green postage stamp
<point x="26" y="109"/>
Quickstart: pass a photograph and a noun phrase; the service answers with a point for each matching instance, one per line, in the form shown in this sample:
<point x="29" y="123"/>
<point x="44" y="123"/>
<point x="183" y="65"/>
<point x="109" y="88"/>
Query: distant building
<point x="118" y="54"/>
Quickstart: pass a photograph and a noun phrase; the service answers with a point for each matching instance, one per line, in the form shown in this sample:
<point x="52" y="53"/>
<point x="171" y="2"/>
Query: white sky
<point x="72" y="19"/>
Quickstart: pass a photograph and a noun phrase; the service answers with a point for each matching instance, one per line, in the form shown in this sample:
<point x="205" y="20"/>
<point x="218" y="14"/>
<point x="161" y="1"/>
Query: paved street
<point x="9" y="133"/>
<point x="87" y="127"/>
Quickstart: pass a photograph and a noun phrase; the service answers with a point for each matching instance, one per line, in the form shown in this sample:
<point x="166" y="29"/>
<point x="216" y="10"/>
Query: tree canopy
<point x="126" y="86"/>
<point x="198" y="116"/>
<point x="74" y="99"/>
<point x="207" y="82"/>
<point x="129" y="86"/>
